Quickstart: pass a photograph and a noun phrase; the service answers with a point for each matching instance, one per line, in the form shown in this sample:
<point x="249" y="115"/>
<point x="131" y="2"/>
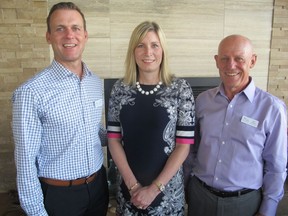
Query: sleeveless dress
<point x="148" y="126"/>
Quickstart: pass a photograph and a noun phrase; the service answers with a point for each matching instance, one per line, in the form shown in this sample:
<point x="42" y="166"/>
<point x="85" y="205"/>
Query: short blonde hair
<point x="137" y="36"/>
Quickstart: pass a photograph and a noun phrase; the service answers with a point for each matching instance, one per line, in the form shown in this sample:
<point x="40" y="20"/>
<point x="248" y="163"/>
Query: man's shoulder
<point x="268" y="98"/>
<point x="97" y="77"/>
<point x="207" y="93"/>
<point x="35" y="81"/>
<point x="31" y="86"/>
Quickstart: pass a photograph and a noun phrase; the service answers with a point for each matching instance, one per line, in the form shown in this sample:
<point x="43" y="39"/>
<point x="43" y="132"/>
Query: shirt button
<point x="223" y="142"/>
<point x="227" y="123"/>
<point x="216" y="178"/>
<point x="219" y="160"/>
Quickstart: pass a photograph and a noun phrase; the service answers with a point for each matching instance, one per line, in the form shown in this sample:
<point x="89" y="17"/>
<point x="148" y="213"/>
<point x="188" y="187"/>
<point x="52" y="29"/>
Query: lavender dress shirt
<point x="243" y="143"/>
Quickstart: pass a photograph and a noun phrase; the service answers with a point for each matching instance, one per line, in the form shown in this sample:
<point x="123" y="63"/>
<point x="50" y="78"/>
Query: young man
<point x="56" y="124"/>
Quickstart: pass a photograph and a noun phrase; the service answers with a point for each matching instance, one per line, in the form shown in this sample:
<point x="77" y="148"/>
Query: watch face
<point x="161" y="187"/>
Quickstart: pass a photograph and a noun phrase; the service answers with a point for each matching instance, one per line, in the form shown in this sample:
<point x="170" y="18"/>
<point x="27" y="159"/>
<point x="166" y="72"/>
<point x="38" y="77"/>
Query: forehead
<point x="66" y="17"/>
<point x="235" y="45"/>
<point x="151" y="36"/>
<point x="234" y="49"/>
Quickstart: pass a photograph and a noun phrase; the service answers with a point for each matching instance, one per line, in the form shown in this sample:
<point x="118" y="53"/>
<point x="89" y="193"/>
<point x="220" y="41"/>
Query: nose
<point x="231" y="63"/>
<point x="69" y="33"/>
<point x="148" y="51"/>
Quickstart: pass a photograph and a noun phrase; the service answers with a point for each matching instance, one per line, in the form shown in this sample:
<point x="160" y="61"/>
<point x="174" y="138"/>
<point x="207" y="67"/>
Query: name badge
<point x="98" y="103"/>
<point x="249" y="121"/>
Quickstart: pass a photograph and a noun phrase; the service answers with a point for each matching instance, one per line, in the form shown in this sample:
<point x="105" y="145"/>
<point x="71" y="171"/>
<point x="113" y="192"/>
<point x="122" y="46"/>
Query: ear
<point x="253" y="60"/>
<point x="86" y="35"/>
<point x="48" y="37"/>
<point x="216" y="60"/>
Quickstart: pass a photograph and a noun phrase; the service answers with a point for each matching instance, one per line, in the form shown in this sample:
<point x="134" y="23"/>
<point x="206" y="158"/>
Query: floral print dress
<point x="149" y="126"/>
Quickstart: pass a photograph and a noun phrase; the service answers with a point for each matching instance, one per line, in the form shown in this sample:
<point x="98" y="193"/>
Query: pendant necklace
<point x="148" y="92"/>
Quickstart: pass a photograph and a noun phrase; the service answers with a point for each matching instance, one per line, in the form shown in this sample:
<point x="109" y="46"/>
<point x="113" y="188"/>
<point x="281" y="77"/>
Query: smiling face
<point x="148" y="54"/>
<point x="234" y="60"/>
<point x="67" y="36"/>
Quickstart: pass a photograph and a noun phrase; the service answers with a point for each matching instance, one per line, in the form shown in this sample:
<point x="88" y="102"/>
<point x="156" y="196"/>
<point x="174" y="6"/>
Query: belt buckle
<point x="86" y="179"/>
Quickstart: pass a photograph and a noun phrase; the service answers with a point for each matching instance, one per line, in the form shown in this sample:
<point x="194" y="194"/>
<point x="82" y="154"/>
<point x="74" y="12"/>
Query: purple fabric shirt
<point x="243" y="143"/>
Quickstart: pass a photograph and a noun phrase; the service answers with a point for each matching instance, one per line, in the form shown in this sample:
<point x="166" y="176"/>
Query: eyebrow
<point x="74" y="25"/>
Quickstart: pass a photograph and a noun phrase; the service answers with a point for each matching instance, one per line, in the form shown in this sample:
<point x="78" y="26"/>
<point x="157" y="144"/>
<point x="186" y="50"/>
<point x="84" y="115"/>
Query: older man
<point x="240" y="163"/>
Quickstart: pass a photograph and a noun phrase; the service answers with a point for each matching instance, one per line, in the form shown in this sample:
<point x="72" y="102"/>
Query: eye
<point x="76" y="28"/>
<point x="224" y="59"/>
<point x="239" y="59"/>
<point x="140" y="45"/>
<point x="59" y="29"/>
<point x="155" y="45"/>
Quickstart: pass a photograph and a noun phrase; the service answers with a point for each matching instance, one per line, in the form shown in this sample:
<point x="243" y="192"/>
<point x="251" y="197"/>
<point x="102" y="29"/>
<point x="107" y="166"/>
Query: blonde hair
<point x="137" y="36"/>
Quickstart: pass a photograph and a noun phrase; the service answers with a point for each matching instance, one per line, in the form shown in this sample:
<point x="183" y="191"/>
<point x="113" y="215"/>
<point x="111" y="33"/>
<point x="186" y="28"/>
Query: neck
<point x="148" y="80"/>
<point x="74" y="67"/>
<point x="231" y="91"/>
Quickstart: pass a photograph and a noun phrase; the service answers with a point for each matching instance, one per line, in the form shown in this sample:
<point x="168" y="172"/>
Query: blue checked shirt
<point x="56" y="121"/>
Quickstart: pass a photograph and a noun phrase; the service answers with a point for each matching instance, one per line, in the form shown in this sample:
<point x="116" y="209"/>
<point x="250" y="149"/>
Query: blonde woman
<point x="150" y="128"/>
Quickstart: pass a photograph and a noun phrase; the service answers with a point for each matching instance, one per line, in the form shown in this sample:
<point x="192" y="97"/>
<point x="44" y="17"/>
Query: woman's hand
<point x="142" y="197"/>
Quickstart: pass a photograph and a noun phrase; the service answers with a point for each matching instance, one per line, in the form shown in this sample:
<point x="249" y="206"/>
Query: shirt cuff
<point x="268" y="207"/>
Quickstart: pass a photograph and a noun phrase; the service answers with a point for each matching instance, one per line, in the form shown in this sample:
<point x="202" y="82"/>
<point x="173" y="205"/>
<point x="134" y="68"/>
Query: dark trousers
<point x="201" y="202"/>
<point x="82" y="200"/>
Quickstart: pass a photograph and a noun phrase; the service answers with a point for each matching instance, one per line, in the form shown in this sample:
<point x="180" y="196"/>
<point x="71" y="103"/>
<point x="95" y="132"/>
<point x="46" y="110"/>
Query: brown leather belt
<point x="64" y="183"/>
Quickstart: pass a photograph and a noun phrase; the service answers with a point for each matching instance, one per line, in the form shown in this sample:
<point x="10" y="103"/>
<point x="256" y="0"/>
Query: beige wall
<point x="23" y="51"/>
<point x="278" y="72"/>
<point x="193" y="29"/>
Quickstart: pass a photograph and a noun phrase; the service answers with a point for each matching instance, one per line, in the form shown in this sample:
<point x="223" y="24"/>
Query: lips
<point x="148" y="60"/>
<point x="69" y="45"/>
<point x="232" y="74"/>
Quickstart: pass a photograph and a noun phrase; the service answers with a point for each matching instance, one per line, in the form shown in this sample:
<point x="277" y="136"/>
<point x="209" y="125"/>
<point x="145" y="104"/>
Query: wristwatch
<point x="160" y="186"/>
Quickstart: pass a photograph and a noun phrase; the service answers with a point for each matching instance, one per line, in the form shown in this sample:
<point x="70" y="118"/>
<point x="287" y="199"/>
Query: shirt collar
<point x="249" y="91"/>
<point x="86" y="71"/>
<point x="66" y="72"/>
